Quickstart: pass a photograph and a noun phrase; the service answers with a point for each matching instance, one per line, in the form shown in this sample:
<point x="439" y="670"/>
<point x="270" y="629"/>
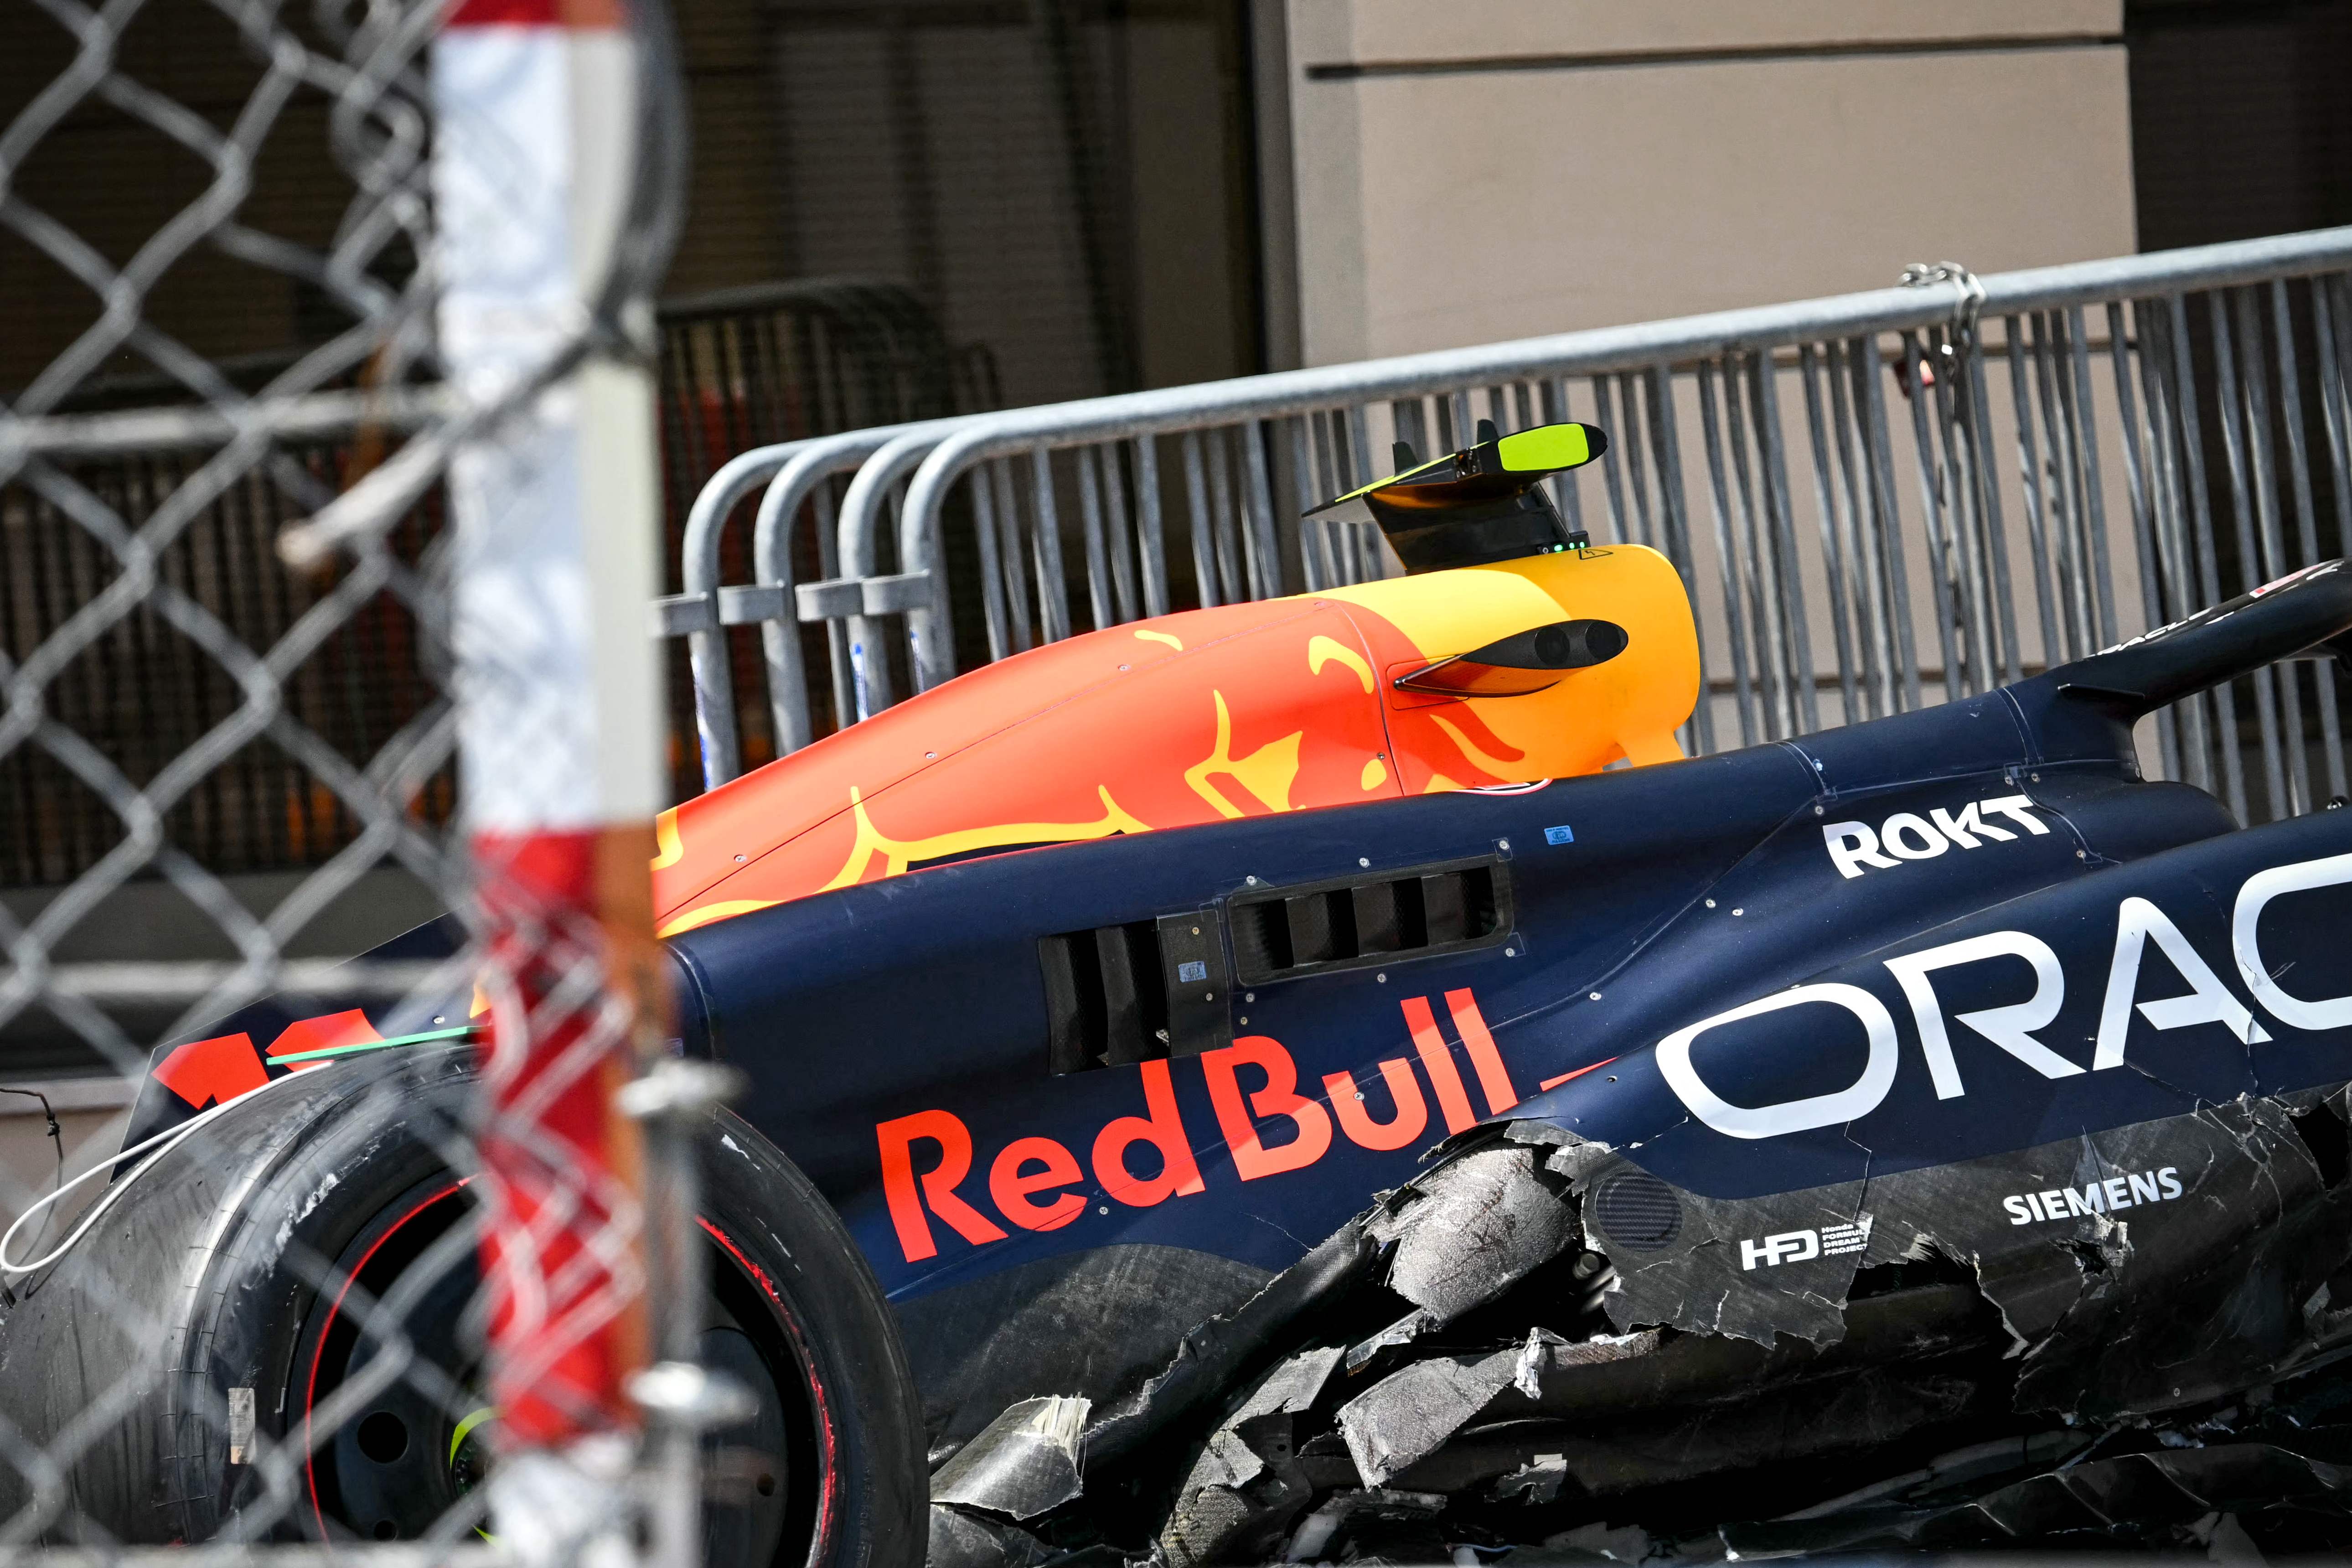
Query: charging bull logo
<point x="929" y="1158"/>
<point x="1210" y="715"/>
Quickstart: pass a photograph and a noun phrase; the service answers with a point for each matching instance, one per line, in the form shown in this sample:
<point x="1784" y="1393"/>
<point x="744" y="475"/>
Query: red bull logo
<point x="1209" y="715"/>
<point x="931" y="1173"/>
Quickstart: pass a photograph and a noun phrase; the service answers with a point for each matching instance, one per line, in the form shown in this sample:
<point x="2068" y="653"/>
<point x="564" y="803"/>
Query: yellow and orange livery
<point x="1197" y="717"/>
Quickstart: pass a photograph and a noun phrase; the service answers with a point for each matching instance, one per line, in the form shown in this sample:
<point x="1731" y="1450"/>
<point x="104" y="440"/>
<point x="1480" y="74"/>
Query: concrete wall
<point x="1497" y="169"/>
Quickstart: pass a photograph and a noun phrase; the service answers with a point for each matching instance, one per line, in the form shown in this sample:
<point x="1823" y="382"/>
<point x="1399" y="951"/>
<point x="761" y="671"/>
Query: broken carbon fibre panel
<point x="1023" y="1464"/>
<point x="1413" y="1411"/>
<point x="1410" y="1414"/>
<point x="2134" y="1269"/>
<point x="1019" y="1467"/>
<point x="1246" y="1487"/>
<point x="1646" y="1450"/>
<point x="2190" y="1496"/>
<point x="1628" y="1413"/>
<point x="1405" y="1524"/>
<point x="1102" y="1331"/>
<point x="961" y="1540"/>
<point x="1690" y="1262"/>
<point x="1226" y="1351"/>
<point x="2152" y="1304"/>
<point x="1486" y="1470"/>
<point x="1473" y="1228"/>
<point x="1452" y="1240"/>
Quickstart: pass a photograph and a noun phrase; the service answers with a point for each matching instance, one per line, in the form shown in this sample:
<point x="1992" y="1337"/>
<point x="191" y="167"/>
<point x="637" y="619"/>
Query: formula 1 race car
<point x="1315" y="1102"/>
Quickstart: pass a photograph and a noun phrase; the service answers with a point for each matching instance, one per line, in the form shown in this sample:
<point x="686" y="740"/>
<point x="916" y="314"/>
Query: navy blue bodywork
<point x="925" y="992"/>
<point x="1678" y="892"/>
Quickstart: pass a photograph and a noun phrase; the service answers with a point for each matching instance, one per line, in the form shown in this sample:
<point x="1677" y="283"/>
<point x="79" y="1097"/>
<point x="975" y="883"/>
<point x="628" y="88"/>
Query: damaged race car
<point x="1312" y="1100"/>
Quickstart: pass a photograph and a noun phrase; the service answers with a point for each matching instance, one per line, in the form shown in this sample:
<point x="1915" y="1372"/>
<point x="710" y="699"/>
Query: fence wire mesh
<point x="372" y="1266"/>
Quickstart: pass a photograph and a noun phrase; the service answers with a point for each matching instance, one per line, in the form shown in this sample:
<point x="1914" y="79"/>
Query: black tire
<point x="223" y="1267"/>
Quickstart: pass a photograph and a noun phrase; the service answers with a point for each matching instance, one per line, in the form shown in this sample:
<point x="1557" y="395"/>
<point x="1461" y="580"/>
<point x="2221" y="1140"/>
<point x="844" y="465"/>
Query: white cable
<point x="161" y="1142"/>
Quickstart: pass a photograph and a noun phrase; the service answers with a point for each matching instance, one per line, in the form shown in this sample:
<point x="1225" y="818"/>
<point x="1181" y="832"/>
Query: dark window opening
<point x="2241" y="126"/>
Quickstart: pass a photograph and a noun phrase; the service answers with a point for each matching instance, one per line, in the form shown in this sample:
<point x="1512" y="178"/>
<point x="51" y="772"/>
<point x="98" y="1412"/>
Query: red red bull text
<point x="928" y="1158"/>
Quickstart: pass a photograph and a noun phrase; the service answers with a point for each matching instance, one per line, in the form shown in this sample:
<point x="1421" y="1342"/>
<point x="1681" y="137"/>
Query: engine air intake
<point x="1370" y="919"/>
<point x="1135" y="993"/>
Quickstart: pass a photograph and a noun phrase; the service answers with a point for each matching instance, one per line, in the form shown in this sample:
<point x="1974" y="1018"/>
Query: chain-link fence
<point x="398" y="1254"/>
<point x="739" y="368"/>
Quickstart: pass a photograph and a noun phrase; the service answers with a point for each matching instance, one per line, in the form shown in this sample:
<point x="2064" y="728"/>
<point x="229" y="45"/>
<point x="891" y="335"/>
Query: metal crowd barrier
<point x="2092" y="450"/>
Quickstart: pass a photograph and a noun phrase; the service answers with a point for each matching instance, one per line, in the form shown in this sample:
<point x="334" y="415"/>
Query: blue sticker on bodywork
<point x="1563" y="834"/>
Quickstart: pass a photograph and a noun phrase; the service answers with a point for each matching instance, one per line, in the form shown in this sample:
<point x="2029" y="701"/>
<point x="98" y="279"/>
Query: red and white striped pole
<point x="560" y="738"/>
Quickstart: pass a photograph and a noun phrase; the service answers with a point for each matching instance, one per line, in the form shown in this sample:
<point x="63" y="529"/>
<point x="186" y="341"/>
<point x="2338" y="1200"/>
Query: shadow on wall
<point x="2241" y="125"/>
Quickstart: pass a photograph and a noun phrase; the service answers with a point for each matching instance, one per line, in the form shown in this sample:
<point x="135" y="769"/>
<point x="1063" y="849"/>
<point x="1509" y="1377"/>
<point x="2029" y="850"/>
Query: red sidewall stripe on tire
<point x="318" y="1350"/>
<point x="828" y="1437"/>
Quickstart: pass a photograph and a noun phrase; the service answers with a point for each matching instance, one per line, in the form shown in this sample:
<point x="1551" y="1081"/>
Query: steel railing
<point x="2093" y="449"/>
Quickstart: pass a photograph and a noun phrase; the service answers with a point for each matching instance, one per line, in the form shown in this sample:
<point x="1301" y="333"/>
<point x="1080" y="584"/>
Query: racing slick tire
<point x="161" y="1375"/>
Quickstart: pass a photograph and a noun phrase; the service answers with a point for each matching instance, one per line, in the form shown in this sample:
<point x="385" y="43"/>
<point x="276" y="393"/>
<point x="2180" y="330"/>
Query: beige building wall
<point x="1495" y="168"/>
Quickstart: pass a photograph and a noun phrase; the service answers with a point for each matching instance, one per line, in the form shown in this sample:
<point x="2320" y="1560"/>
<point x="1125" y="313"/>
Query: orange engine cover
<point x="1195" y="717"/>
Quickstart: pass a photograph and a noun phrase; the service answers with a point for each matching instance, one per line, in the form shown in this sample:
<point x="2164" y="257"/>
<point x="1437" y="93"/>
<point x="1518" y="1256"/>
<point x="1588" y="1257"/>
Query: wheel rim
<point x="402" y="1457"/>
